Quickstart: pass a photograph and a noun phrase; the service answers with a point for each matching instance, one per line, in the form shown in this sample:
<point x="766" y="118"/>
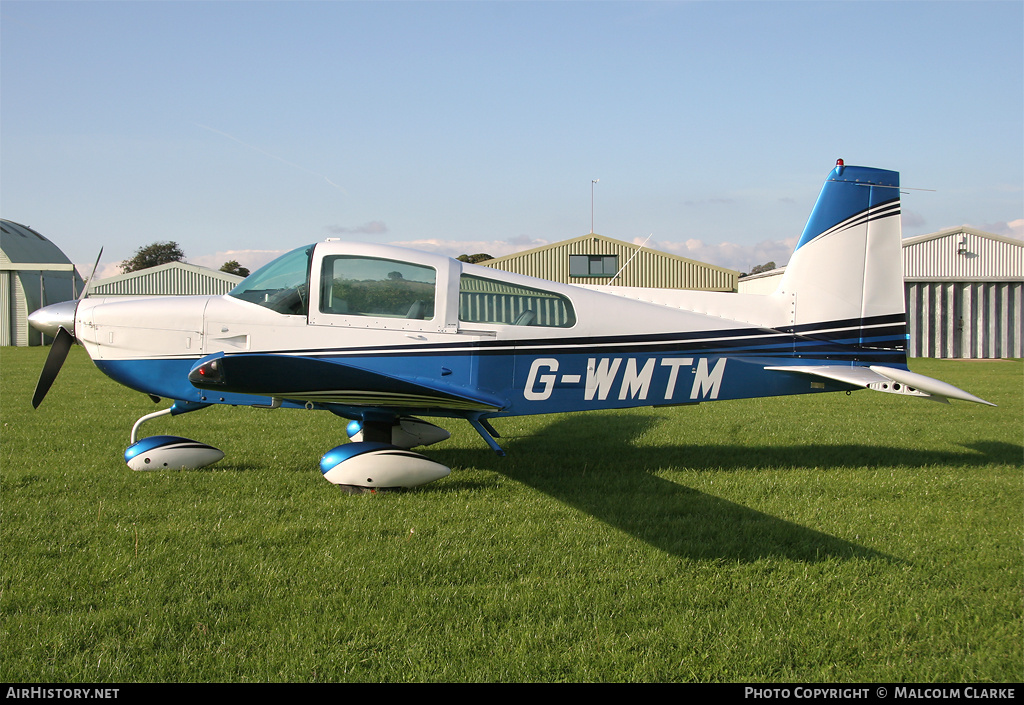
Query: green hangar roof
<point x="597" y="259"/>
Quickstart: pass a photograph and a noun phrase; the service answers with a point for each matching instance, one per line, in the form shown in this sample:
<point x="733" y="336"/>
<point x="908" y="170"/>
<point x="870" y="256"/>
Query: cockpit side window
<point x="282" y="285"/>
<point x="484" y="300"/>
<point x="383" y="288"/>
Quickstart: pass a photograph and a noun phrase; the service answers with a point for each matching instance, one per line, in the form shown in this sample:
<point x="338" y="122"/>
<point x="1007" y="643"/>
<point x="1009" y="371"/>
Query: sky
<point x="241" y="130"/>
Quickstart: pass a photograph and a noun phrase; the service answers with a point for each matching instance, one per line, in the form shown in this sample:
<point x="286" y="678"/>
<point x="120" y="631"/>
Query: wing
<point x="885" y="379"/>
<point x="330" y="381"/>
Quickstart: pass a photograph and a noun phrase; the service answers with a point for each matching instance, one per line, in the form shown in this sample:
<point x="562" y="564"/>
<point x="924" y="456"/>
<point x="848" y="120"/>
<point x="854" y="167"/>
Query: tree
<point x="233" y="267"/>
<point x="473" y="259"/>
<point x="766" y="267"/>
<point x="152" y="256"/>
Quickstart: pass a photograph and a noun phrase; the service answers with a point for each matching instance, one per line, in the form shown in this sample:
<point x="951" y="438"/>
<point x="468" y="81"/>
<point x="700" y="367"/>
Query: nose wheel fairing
<point x="169" y="452"/>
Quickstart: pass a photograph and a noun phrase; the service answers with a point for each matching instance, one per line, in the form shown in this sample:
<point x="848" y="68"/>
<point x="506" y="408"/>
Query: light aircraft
<point x="382" y="335"/>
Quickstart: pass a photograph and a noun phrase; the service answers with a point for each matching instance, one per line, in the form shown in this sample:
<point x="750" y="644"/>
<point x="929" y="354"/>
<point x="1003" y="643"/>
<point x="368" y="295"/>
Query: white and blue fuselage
<point x="618" y="352"/>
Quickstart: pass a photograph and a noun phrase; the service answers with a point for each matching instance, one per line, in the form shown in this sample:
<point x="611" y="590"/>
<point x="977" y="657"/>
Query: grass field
<point x="826" y="538"/>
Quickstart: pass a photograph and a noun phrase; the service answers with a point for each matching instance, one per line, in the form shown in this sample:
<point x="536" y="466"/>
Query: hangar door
<point x="965" y="319"/>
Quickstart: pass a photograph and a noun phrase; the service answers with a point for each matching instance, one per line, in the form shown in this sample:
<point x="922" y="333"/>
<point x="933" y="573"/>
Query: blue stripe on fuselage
<point x="539" y="384"/>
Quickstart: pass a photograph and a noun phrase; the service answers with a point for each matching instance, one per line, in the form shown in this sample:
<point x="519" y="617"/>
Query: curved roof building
<point x="33" y="273"/>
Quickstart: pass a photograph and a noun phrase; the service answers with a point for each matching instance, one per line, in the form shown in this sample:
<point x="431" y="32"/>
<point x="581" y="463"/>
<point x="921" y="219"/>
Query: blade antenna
<point x="630" y="259"/>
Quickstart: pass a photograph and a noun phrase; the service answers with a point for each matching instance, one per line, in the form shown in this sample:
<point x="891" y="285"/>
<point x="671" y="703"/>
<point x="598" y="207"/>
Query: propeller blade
<point x="88" y="282"/>
<point x="54" y="360"/>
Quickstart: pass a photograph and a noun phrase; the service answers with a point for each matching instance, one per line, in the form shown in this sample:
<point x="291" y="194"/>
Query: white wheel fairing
<point x="170" y="453"/>
<point x="408" y="433"/>
<point x="378" y="466"/>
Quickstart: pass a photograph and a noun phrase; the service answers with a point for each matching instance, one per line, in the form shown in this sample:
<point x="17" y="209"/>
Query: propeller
<point x="54" y="360"/>
<point x="57" y="320"/>
<point x="88" y="282"/>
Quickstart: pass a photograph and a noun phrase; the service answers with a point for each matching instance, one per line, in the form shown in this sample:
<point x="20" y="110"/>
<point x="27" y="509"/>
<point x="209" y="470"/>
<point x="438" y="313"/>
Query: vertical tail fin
<point x="845" y="285"/>
<point x="847" y="265"/>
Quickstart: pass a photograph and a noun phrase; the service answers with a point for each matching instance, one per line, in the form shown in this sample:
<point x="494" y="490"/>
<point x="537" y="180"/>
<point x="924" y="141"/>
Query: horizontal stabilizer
<point x="886" y="379"/>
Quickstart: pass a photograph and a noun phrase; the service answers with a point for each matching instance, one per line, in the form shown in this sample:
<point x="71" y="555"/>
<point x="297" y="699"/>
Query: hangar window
<point x="484" y="300"/>
<point x="368" y="286"/>
<point x="593" y="265"/>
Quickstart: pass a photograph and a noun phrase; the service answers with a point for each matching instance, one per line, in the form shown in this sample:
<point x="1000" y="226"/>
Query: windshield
<point x="282" y="285"/>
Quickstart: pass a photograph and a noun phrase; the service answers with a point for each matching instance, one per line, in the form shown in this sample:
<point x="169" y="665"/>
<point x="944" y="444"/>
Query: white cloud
<point x="374" y="227"/>
<point x="251" y="259"/>
<point x="454" y="248"/>
<point x="1013" y="228"/>
<point x="110" y="269"/>
<point x="727" y="254"/>
<point x="911" y="219"/>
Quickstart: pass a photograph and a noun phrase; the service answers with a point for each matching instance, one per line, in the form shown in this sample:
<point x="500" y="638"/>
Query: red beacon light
<point x="839" y="162"/>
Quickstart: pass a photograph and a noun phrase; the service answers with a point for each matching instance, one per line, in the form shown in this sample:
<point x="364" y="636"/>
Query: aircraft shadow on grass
<point x="578" y="458"/>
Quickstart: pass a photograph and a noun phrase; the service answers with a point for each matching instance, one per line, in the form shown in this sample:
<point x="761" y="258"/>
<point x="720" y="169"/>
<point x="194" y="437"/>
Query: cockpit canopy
<point x="383" y="288"/>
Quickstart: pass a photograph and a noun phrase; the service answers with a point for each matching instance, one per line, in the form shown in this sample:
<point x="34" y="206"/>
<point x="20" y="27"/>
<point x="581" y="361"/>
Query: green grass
<point x="824" y="538"/>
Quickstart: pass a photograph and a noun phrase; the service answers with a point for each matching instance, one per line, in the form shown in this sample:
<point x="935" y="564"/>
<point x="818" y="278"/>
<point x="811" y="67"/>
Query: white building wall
<point x="962" y="254"/>
<point x="765" y="283"/>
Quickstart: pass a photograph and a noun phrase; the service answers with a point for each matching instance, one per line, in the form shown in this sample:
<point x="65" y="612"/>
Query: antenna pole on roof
<point x="592" y="182"/>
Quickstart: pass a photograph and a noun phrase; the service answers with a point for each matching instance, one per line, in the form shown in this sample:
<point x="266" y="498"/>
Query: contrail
<point x="272" y="156"/>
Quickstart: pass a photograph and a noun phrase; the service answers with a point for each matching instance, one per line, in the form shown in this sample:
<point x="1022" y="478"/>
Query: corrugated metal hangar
<point x="964" y="292"/>
<point x="33" y="273"/>
<point x="596" y="259"/>
<point x="173" y="279"/>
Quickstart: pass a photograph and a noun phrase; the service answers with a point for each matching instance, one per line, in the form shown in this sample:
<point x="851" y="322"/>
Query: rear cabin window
<point x="484" y="300"/>
<point x="368" y="286"/>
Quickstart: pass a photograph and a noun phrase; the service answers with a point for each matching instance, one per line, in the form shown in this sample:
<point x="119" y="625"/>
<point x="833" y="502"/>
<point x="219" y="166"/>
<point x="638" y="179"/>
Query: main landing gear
<point x="377" y="458"/>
